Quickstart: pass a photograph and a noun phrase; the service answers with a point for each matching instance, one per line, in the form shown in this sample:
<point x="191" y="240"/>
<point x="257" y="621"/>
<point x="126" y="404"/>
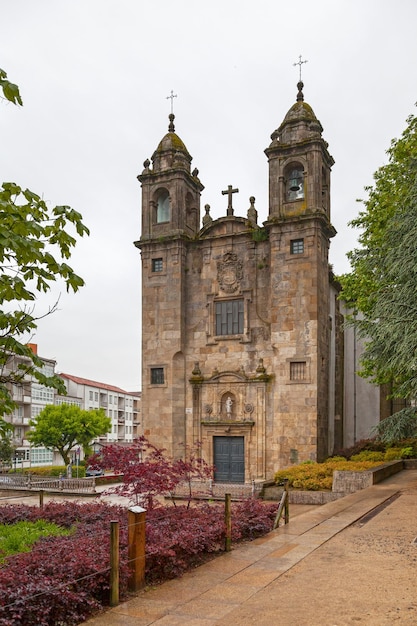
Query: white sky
<point x="94" y="76"/>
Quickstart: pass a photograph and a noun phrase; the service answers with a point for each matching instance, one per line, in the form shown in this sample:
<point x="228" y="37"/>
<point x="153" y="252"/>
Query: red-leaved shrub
<point x="64" y="580"/>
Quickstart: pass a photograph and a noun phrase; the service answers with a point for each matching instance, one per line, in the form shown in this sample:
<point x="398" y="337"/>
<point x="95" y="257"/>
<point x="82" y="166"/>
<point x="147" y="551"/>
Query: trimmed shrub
<point x="319" y="476"/>
<point x="408" y="452"/>
<point x="178" y="538"/>
<point x="368" y="455"/>
<point x="392" y="454"/>
<point x="64" y="580"/>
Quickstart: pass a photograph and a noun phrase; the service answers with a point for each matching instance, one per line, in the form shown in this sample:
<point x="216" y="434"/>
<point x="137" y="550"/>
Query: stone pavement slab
<point x="231" y="588"/>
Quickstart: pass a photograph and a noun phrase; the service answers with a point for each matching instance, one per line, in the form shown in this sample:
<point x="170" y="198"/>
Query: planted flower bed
<point x="319" y="476"/>
<point x="64" y="580"/>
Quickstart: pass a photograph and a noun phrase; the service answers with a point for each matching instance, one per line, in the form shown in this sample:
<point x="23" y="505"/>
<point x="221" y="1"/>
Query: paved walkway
<point x="229" y="589"/>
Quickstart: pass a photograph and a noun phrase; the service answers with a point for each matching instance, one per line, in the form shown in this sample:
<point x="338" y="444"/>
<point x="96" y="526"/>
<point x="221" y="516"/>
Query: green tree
<point x="35" y="242"/>
<point x="387" y="198"/>
<point x="65" y="426"/>
<point x="382" y="286"/>
<point x="6" y="443"/>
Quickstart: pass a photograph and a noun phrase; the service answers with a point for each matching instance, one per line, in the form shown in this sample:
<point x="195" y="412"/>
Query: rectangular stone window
<point x="297" y="246"/>
<point x="157" y="265"/>
<point x="229" y="317"/>
<point x="157" y="376"/>
<point x="298" y="371"/>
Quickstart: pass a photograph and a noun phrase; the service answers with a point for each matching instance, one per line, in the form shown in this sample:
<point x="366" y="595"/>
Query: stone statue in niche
<point x="229" y="405"/>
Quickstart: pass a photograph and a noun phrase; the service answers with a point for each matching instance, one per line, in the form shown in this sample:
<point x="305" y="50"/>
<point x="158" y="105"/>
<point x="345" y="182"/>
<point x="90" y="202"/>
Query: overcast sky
<point x="95" y="75"/>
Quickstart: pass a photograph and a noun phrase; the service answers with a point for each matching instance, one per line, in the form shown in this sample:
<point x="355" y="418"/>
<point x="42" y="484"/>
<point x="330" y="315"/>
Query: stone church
<point x="242" y="340"/>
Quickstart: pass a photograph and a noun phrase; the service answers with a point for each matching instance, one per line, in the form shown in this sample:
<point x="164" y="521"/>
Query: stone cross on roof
<point x="229" y="191"/>
<point x="171" y="97"/>
<point x="300" y="63"/>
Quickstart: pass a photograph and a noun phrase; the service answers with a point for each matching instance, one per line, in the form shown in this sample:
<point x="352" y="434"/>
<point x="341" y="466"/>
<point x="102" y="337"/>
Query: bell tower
<point x="299" y="232"/>
<point x="299" y="164"/>
<point x="170" y="222"/>
<point x="170" y="192"/>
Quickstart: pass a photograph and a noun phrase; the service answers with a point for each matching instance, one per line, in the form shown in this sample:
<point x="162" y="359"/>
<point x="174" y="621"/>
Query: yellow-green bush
<point x="392" y="454"/>
<point x="319" y="476"/>
<point x="369" y="455"/>
<point x="408" y="452"/>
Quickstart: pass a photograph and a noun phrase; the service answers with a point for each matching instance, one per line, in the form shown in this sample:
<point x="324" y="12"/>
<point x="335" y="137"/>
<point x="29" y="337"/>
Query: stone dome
<point x="171" y="152"/>
<point x="299" y="124"/>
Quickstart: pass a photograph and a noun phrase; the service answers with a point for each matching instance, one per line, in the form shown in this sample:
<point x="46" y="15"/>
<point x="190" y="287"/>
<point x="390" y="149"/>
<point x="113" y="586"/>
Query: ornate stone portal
<point x="232" y="404"/>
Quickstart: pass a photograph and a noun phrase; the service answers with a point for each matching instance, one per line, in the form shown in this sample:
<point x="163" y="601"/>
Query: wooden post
<point x="136" y="547"/>
<point x="41" y="498"/>
<point x="114" y="563"/>
<point x="283" y="506"/>
<point x="228" y="521"/>
<point x="286" y="506"/>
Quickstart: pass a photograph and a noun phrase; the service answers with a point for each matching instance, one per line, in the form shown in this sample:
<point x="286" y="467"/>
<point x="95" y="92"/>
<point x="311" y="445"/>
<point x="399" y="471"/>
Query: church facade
<point x="242" y="336"/>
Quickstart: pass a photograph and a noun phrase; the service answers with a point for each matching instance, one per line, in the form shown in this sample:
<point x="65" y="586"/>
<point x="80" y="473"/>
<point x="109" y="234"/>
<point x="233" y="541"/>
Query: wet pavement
<point x="233" y="588"/>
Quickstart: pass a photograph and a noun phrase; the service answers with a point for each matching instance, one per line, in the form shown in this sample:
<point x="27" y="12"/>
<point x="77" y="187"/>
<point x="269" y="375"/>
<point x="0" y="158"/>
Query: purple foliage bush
<point x="252" y="518"/>
<point x="64" y="580"/>
<point x="178" y="538"/>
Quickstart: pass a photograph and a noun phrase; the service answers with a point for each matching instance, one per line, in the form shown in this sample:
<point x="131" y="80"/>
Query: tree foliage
<point x="35" y="243"/>
<point x="6" y="449"/>
<point x="10" y="90"/>
<point x="65" y="426"/>
<point x="395" y="428"/>
<point x="6" y="444"/>
<point x="148" y="472"/>
<point x="386" y="198"/>
<point x="382" y="286"/>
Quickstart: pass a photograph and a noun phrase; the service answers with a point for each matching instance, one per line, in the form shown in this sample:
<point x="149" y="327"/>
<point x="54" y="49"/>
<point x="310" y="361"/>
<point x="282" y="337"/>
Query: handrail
<point x="283" y="506"/>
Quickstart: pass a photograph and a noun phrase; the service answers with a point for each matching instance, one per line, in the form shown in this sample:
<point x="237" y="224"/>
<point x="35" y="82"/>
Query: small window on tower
<point x="162" y="212"/>
<point x="157" y="376"/>
<point x="297" y="246"/>
<point x="157" y="265"/>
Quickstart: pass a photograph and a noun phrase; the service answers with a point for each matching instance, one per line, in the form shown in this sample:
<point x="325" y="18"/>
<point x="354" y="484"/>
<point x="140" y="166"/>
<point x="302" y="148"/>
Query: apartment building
<point x="31" y="398"/>
<point x="123" y="407"/>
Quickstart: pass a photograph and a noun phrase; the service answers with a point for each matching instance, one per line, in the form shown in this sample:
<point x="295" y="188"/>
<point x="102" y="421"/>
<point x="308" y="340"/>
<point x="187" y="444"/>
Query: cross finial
<point x="300" y="63"/>
<point x="229" y="191"/>
<point x="171" y="97"/>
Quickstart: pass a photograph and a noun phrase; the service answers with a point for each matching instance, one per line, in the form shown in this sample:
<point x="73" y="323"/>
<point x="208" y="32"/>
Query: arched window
<point x="163" y="207"/>
<point x="295" y="182"/>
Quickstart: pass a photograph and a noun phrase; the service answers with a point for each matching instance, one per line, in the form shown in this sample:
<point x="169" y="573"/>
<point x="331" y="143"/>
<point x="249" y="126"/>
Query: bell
<point x="294" y="181"/>
<point x="294" y="184"/>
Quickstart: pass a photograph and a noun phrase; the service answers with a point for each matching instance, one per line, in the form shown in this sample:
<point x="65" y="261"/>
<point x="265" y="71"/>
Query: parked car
<point x="93" y="470"/>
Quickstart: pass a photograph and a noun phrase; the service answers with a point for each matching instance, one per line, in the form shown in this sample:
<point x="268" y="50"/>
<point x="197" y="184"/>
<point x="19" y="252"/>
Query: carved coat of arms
<point x="229" y="272"/>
